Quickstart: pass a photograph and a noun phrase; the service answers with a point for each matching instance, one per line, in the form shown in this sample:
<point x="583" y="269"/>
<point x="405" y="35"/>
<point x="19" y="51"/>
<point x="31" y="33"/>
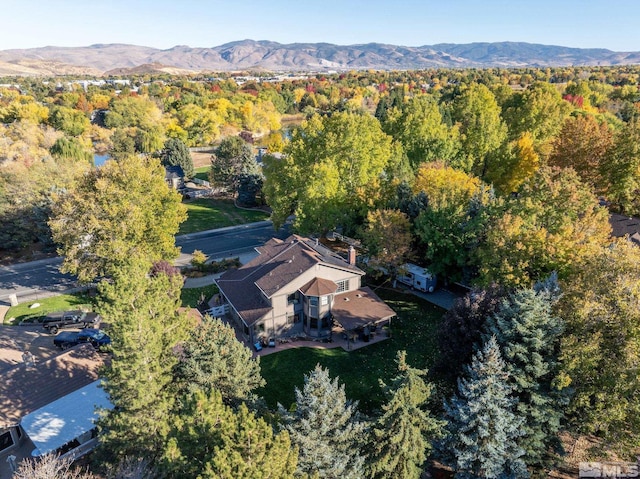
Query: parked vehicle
<point x="96" y="337"/>
<point x="417" y="277"/>
<point x="71" y="319"/>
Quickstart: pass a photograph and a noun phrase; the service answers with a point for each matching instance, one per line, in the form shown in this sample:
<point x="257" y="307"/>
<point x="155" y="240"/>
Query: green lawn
<point x="191" y="296"/>
<point x="63" y="302"/>
<point x="206" y="214"/>
<point x="413" y="330"/>
<point x="202" y="173"/>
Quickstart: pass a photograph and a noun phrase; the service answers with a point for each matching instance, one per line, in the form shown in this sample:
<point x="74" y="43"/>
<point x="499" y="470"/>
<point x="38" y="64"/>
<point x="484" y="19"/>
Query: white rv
<point x="417" y="277"/>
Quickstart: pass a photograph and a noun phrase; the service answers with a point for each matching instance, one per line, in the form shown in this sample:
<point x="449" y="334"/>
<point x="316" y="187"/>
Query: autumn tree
<point x="334" y="170"/>
<point x="212" y="358"/>
<point x="387" y="236"/>
<point x="68" y="120"/>
<point x="50" y="466"/>
<point x="512" y="164"/>
<point x="113" y="214"/>
<point x="602" y="342"/>
<point x="460" y="332"/>
<point x="583" y="144"/>
<point x="402" y="436"/>
<point x="547" y="227"/>
<point x="326" y="428"/>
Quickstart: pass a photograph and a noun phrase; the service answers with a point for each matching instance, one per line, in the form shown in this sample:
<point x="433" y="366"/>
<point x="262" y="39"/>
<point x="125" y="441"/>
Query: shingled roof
<point x="358" y="308"/>
<point x="625" y="225"/>
<point x="279" y="263"/>
<point x="23" y="389"/>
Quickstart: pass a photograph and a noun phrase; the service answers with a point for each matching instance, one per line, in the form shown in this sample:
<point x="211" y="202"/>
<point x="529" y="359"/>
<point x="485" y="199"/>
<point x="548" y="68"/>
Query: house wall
<point x="275" y="324"/>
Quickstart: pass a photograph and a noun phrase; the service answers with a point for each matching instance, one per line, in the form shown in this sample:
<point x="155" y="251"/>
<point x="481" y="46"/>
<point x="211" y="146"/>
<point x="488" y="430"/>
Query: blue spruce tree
<point x="528" y="334"/>
<point x="483" y="430"/>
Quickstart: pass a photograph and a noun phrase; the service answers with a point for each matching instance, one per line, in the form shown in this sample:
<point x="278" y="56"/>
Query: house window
<point x="324" y="300"/>
<point x="6" y="441"/>
<point x="292" y="298"/>
<point x="342" y="286"/>
<point x="293" y="319"/>
<point x="313" y="301"/>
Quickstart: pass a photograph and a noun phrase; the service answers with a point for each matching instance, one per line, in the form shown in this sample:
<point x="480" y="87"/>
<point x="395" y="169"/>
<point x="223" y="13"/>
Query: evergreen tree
<point x="528" y="334"/>
<point x="326" y="429"/>
<point x="483" y="430"/>
<point x="176" y="153"/>
<point x="232" y="158"/>
<point x="212" y="358"/>
<point x="401" y="438"/>
<point x="145" y="328"/>
<point x="210" y="440"/>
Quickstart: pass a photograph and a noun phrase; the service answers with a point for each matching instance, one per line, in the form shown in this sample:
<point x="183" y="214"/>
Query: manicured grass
<point x="360" y="370"/>
<point x="206" y="214"/>
<point x="63" y="302"/>
<point x="202" y="173"/>
<point x="191" y="296"/>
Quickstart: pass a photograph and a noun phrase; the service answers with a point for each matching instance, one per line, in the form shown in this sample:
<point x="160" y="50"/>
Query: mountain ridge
<point x="269" y="55"/>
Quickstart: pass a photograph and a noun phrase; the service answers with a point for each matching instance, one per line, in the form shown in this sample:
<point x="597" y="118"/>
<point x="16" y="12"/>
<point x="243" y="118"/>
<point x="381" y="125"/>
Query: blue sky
<point x="612" y="24"/>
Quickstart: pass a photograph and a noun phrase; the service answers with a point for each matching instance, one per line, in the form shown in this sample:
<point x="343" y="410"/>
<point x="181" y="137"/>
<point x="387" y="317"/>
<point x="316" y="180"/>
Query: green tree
<point x="481" y="127"/>
<point x="622" y="169"/>
<point x="232" y="158"/>
<point x="512" y="164"/>
<point x="115" y="214"/>
<point x="326" y="429"/>
<point x="212" y="358"/>
<point x="600" y="349"/>
<point x="419" y="127"/>
<point x="145" y="327"/>
<point x="335" y="169"/>
<point x="72" y="122"/>
<point x="73" y="149"/>
<point x="528" y="334"/>
<point x="176" y="153"/>
<point x="210" y="440"/>
<point x="402" y="436"/>
<point x="483" y="429"/>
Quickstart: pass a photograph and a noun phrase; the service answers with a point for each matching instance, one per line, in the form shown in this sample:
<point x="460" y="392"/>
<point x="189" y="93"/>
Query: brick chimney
<point x="351" y="257"/>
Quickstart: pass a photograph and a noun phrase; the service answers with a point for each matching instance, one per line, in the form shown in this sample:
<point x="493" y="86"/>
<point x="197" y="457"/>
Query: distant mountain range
<point x="121" y="59"/>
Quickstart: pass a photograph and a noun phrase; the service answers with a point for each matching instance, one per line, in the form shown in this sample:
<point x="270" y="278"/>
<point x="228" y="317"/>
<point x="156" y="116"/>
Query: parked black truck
<point x="71" y="319"/>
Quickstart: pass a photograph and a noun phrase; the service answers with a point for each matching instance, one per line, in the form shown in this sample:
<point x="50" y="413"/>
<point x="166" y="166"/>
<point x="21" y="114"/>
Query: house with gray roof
<point x="299" y="287"/>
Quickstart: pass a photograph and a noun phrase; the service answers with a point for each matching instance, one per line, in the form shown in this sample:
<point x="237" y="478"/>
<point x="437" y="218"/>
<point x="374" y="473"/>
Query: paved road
<point x="42" y="278"/>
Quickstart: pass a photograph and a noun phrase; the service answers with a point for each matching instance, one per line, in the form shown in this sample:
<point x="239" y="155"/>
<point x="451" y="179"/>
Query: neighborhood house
<point x="300" y="287"/>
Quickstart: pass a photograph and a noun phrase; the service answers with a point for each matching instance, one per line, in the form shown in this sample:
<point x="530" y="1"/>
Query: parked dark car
<point x="71" y="319"/>
<point x="96" y="337"/>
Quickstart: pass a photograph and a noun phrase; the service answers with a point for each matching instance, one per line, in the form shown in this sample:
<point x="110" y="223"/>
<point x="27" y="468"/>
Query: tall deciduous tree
<point x="552" y="222"/>
<point x="528" y="334"/>
<point x="387" y="237"/>
<point x="145" y="327"/>
<point x="210" y="440"/>
<point x="584" y="145"/>
<point x="512" y="164"/>
<point x="481" y="127"/>
<point x="622" y="170"/>
<point x="212" y="358"/>
<point x="460" y="332"/>
<point x="119" y="212"/>
<point x="402" y="437"/>
<point x="418" y="126"/>
<point x="483" y="429"/>
<point x="176" y="153"/>
<point x="600" y="350"/>
<point x="325" y="427"/>
<point x="335" y="169"/>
